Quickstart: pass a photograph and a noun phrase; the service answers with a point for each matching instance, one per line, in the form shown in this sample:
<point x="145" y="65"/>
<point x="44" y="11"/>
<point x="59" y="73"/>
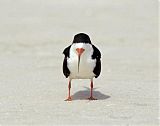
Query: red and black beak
<point x="79" y="51"/>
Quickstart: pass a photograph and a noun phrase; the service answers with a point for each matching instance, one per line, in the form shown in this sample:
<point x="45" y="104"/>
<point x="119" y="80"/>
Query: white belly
<point x="86" y="68"/>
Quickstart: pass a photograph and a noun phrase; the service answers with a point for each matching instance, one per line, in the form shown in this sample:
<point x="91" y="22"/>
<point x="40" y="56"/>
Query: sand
<point x="33" y="34"/>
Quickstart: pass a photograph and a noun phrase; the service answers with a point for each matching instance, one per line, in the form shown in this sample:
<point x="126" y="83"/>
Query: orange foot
<point x="92" y="98"/>
<point x="69" y="99"/>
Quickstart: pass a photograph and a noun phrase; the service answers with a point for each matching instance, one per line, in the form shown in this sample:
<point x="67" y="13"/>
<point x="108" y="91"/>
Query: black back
<point x="81" y="37"/>
<point x="97" y="55"/>
<point x="66" y="71"/>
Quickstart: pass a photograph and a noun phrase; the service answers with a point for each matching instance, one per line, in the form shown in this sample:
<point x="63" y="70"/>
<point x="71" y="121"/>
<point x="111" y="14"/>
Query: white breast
<point x="87" y="64"/>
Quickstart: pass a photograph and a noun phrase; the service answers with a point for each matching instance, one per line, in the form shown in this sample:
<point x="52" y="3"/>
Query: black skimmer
<point x="82" y="61"/>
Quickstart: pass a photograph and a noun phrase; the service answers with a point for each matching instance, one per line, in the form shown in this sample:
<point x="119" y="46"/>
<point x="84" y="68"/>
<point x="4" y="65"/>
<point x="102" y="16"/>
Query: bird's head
<point x="80" y="40"/>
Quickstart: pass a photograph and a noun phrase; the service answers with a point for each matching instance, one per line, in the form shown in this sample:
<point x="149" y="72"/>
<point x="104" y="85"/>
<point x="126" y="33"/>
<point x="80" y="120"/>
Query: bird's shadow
<point x="84" y="94"/>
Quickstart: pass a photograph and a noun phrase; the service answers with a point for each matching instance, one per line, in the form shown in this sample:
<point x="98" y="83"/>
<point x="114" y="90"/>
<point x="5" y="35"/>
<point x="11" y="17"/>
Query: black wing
<point x="97" y="55"/>
<point x="66" y="71"/>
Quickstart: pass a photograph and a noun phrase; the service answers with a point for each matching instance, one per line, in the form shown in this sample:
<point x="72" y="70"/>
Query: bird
<point x="82" y="60"/>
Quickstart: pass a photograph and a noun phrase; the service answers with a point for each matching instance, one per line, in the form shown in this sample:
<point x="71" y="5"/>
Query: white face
<point x="88" y="50"/>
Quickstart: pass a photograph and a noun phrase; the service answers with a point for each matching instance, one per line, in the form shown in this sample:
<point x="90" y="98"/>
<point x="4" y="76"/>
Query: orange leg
<point x="69" y="94"/>
<point x="91" y="92"/>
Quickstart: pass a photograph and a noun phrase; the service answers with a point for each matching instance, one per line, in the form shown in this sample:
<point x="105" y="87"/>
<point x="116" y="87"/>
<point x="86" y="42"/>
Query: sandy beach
<point x="33" y="34"/>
